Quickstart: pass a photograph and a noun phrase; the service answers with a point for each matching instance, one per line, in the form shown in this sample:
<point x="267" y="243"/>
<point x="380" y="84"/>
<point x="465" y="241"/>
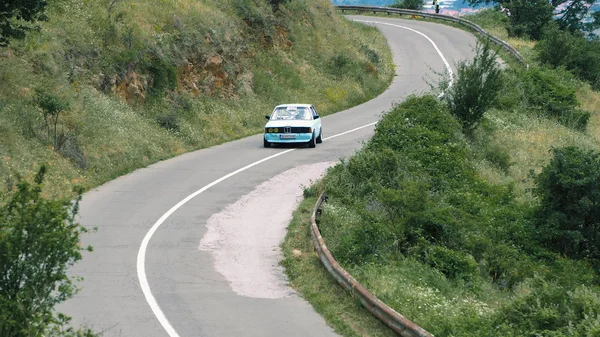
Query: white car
<point x="293" y="123"/>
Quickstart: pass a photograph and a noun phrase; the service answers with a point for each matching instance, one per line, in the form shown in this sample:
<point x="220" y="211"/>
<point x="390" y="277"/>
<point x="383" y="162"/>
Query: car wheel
<point x="320" y="138"/>
<point x="266" y="143"/>
<point x="312" y="142"/>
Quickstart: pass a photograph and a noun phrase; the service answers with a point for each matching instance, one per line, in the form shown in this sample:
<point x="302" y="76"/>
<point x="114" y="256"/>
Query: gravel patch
<point x="244" y="238"/>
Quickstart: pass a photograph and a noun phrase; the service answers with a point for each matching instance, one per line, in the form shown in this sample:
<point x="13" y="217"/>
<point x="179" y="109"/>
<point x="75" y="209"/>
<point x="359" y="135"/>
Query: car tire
<point x="320" y="138"/>
<point x="266" y="143"/>
<point x="312" y="143"/>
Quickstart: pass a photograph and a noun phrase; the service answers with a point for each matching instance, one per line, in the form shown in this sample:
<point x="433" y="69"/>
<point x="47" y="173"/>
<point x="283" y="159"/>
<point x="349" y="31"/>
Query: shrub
<point x="52" y="106"/>
<point x="572" y="51"/>
<point x="545" y="308"/>
<point x="259" y="17"/>
<point x="552" y="93"/>
<point x="39" y="240"/>
<point x="498" y="156"/>
<point x="569" y="212"/>
<point x="452" y="263"/>
<point x="476" y="87"/>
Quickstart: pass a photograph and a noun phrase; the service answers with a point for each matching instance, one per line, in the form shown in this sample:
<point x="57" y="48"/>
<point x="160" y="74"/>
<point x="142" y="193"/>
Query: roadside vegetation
<point x="472" y="216"/>
<point x="91" y="90"/>
<point x="105" y="87"/>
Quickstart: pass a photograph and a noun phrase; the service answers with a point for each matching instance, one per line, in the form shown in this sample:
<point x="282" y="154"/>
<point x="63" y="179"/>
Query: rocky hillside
<point x="108" y="86"/>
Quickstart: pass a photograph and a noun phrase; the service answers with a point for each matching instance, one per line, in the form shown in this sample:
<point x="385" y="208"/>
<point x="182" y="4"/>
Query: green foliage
<point x="410" y="195"/>
<point x="476" y="86"/>
<point x="544" y="308"/>
<point x="39" y="240"/>
<point x="452" y="263"/>
<point x="552" y="92"/>
<point x="422" y="129"/>
<point x="412" y="186"/>
<point x="499" y="157"/>
<point x="408" y="4"/>
<point x="52" y="106"/>
<point x="544" y="91"/>
<point x="572" y="14"/>
<point x="259" y="17"/>
<point x="276" y="3"/>
<point x="164" y="76"/>
<point x="112" y="73"/>
<point x="17" y="17"/>
<point x="569" y="192"/>
<point x="529" y="17"/>
<point x="572" y="51"/>
<point x="569" y="13"/>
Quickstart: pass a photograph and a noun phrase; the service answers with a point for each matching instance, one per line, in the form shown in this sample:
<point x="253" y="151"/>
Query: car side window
<point x="314" y="112"/>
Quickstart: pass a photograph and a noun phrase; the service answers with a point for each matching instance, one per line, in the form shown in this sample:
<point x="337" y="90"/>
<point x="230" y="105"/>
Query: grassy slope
<point x="418" y="291"/>
<point x="147" y="80"/>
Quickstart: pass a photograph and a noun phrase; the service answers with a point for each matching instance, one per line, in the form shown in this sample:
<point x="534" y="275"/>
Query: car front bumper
<point x="297" y="137"/>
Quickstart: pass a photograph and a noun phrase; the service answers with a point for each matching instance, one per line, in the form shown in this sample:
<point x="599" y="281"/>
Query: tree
<point x="476" y="87"/>
<point x="39" y="240"/>
<point x="529" y="17"/>
<point x="569" y="213"/>
<point x="18" y="16"/>
<point x="569" y="13"/>
<point x="409" y="4"/>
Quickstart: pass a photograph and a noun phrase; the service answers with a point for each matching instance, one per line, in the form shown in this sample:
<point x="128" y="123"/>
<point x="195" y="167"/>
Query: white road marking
<point x="244" y="237"/>
<point x="448" y="68"/>
<point x="141" y="257"/>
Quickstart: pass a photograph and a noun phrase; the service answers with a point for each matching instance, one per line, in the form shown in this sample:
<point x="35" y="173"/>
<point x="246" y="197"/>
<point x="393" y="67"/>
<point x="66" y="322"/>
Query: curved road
<point x="189" y="296"/>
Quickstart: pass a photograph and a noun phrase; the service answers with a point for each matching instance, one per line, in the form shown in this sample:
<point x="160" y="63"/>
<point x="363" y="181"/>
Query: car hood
<point x="290" y="122"/>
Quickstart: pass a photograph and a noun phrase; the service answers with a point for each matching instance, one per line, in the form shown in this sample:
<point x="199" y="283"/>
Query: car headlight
<point x="310" y="130"/>
<point x="276" y="130"/>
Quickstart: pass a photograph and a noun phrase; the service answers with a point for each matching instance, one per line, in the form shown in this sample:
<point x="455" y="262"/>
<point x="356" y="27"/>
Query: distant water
<point x="449" y="7"/>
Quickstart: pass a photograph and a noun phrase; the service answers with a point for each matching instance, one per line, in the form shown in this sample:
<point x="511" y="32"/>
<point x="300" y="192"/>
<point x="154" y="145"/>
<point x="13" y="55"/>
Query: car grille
<point x="289" y="129"/>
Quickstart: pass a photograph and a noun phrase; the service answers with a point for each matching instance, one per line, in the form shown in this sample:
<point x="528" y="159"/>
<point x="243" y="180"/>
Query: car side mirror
<point x="268" y="118"/>
<point x="316" y="117"/>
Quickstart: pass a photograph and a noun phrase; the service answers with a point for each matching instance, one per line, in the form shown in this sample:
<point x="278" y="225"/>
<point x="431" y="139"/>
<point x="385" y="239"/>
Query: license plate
<point x="287" y="136"/>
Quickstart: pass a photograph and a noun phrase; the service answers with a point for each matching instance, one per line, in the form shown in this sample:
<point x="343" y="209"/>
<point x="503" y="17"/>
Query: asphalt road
<point x="184" y="291"/>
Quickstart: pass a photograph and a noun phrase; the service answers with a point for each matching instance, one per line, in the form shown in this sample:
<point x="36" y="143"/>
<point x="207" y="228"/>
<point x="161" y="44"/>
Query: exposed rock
<point x="131" y="88"/>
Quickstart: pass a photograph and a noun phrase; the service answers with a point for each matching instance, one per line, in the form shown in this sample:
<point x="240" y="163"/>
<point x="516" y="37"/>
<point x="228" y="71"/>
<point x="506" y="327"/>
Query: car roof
<point x="296" y="105"/>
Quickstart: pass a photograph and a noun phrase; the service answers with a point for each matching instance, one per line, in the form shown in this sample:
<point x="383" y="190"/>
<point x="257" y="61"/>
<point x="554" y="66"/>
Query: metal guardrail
<point x="450" y="18"/>
<point x="382" y="311"/>
<point x="387" y="315"/>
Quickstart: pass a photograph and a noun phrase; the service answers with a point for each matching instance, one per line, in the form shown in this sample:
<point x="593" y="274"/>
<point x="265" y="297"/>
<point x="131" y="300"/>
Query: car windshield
<point x="288" y="113"/>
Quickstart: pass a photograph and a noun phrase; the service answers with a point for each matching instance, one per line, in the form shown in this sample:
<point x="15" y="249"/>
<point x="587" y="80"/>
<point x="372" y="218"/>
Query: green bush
<point x="545" y="91"/>
<point x="476" y="87"/>
<point x="545" y="308"/>
<point x="549" y="91"/>
<point x="259" y="17"/>
<point x="422" y="130"/>
<point x="452" y="263"/>
<point x="39" y="240"/>
<point x="552" y="92"/>
<point x="573" y="51"/>
<point x="569" y="212"/>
